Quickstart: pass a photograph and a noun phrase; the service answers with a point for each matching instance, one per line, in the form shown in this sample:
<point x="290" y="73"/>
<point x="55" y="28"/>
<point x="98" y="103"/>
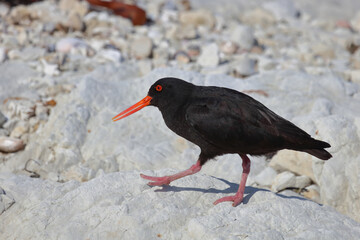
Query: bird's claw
<point x="235" y="199"/>
<point x="157" y="181"/>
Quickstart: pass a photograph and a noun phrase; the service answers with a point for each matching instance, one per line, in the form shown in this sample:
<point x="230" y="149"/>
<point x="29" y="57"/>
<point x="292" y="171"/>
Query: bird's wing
<point x="234" y="120"/>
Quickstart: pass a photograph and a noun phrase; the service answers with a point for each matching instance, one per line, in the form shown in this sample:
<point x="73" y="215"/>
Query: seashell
<point x="9" y="145"/>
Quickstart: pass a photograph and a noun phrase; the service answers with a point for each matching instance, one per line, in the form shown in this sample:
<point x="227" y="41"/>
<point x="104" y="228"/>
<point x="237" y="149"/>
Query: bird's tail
<point x="316" y="148"/>
<point x="319" y="153"/>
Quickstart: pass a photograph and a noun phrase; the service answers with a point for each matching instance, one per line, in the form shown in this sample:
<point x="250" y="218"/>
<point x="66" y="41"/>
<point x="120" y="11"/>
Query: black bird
<point x="220" y="121"/>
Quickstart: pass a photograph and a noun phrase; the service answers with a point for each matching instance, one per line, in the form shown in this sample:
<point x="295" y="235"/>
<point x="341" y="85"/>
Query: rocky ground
<point x="66" y="70"/>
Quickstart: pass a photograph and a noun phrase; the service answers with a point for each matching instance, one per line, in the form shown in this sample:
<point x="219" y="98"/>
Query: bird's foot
<point x="236" y="199"/>
<point x="157" y="181"/>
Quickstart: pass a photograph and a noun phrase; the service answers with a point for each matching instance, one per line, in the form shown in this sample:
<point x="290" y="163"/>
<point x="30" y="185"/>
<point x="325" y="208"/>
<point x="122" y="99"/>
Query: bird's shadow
<point x="233" y="187"/>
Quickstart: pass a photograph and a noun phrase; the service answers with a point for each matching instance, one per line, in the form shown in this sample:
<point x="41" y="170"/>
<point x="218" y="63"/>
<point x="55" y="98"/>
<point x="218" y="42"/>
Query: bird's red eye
<point x="158" y="88"/>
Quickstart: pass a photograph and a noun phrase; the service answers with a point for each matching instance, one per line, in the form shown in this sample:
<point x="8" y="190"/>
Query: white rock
<point x="141" y="47"/>
<point x="243" y="36"/>
<point x="282" y="181"/>
<point x="302" y="182"/>
<point x="355" y="22"/>
<point x="4" y="9"/>
<point x="258" y="16"/>
<point x="199" y="17"/>
<point x="209" y="56"/>
<point x="49" y="69"/>
<point x="112" y="55"/>
<point x="243" y="66"/>
<point x="66" y="45"/>
<point x="297" y="162"/>
<point x="121" y="204"/>
<point x="282" y="9"/>
<point x="78" y="7"/>
<point x="266" y="177"/>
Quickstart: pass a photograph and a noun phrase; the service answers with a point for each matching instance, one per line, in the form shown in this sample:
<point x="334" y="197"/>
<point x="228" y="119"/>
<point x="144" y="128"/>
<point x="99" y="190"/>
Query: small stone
<point x="355" y="76"/>
<point x="302" y="182"/>
<point x="259" y="16"/>
<point x="324" y="51"/>
<point x="79" y="7"/>
<point x="182" y="57"/>
<point x="229" y="47"/>
<point x="209" y="56"/>
<point x="243" y="36"/>
<point x="282" y="9"/>
<point x="243" y="66"/>
<point x="112" y="55"/>
<point x="297" y="162"/>
<point x="9" y="145"/>
<point x="4" y="9"/>
<point x="20" y="108"/>
<point x="65" y="45"/>
<point x="193" y="51"/>
<point x="186" y="32"/>
<point x="266" y="177"/>
<point x="355" y="22"/>
<point x="198" y="17"/>
<point x="73" y="22"/>
<point x="312" y="192"/>
<point x="141" y="47"/>
<point x="49" y="69"/>
<point x="20" y="130"/>
<point x="20" y="15"/>
<point x="282" y="181"/>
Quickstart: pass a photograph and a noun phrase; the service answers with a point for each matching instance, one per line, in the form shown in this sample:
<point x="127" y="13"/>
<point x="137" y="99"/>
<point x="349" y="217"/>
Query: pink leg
<point x="238" y="197"/>
<point x="166" y="180"/>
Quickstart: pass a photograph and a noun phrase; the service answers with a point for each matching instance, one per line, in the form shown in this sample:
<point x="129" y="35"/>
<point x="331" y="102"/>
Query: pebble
<point x="182" y="57"/>
<point x="312" y="192"/>
<point x="243" y="36"/>
<point x="229" y="47"/>
<point x="282" y="9"/>
<point x="266" y="177"/>
<point x="196" y="18"/>
<point x="10" y="145"/>
<point x="297" y="162"/>
<point x="193" y="51"/>
<point x="79" y="7"/>
<point x="282" y="181"/>
<point x="243" y="66"/>
<point x="289" y="180"/>
<point x="141" y="47"/>
<point x="259" y="16"/>
<point x="112" y="55"/>
<point x="73" y="22"/>
<point x="209" y="56"/>
<point x="65" y="45"/>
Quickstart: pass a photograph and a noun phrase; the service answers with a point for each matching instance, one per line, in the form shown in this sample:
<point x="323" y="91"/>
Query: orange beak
<point x="134" y="108"/>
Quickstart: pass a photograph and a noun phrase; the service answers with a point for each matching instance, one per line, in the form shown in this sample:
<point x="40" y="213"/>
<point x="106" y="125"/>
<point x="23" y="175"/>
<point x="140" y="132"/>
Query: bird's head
<point x="163" y="93"/>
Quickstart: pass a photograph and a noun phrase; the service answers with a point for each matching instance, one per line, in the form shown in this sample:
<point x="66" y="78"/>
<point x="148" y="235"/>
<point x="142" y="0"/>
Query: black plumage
<point x="221" y="121"/>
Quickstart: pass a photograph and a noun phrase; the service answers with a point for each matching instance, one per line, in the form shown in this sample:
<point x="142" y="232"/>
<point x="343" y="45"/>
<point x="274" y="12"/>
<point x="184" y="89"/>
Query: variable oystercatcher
<point x="220" y="121"/>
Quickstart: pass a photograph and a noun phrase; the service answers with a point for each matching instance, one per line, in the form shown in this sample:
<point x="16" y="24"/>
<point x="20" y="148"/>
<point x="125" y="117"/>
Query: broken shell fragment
<point x="9" y="145"/>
